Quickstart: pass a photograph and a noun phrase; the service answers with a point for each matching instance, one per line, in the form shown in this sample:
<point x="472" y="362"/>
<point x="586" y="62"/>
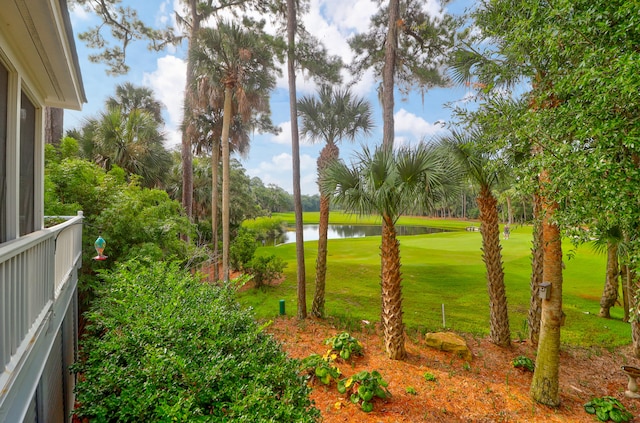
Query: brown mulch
<point x="488" y="389"/>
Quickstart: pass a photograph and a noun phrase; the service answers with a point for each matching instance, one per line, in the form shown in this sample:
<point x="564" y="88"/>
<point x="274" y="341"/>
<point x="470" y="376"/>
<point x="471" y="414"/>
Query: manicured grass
<point x="444" y="269"/>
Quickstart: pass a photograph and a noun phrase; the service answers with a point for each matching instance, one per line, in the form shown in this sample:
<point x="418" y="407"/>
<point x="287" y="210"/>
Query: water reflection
<point x="310" y="232"/>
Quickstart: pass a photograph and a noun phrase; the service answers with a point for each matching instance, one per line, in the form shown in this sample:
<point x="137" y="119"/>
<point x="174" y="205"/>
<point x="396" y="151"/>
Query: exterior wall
<point x="38" y="266"/>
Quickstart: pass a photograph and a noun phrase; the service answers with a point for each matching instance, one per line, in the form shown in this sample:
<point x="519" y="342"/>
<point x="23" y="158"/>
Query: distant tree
<point x="128" y="98"/>
<point x="311" y="202"/>
<point x="133" y="142"/>
<point x="404" y="44"/>
<point x="125" y="26"/>
<point x="243" y="62"/>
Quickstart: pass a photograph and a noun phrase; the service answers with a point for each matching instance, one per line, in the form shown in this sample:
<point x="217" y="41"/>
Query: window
<point x="27" y="163"/>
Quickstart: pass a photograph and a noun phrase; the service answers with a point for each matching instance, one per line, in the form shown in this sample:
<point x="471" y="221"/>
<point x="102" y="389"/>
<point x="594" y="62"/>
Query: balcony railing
<point x="34" y="271"/>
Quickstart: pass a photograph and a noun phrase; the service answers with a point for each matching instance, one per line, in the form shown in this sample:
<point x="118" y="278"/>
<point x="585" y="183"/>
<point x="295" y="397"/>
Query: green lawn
<point x="443" y="269"/>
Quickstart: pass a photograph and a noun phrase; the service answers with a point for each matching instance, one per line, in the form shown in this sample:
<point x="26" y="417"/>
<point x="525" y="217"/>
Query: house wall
<point x="38" y="266"/>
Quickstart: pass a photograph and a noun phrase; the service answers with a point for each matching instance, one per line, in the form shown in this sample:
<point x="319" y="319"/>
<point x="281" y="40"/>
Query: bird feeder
<point x="100" y="245"/>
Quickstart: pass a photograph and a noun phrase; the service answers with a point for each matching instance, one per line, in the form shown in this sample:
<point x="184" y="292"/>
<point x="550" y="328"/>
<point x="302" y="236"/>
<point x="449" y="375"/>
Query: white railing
<point x="34" y="270"/>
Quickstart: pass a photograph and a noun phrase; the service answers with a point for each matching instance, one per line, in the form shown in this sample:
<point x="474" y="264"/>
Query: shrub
<point x="242" y="249"/>
<point x="265" y="227"/>
<point x="265" y="269"/>
<point x="162" y="346"/>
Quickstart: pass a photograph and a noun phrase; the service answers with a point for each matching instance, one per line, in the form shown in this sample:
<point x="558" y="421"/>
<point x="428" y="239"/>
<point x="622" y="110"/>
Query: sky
<point x="333" y="22"/>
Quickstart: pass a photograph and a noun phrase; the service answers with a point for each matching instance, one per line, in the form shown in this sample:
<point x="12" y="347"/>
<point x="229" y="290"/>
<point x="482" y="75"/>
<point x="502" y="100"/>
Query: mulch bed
<point x="487" y="389"/>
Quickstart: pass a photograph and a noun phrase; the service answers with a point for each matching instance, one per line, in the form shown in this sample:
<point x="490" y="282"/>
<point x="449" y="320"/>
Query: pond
<point x="310" y="232"/>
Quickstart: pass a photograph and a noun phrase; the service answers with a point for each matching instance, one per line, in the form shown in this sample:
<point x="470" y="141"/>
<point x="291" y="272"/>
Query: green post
<point x="282" y="313"/>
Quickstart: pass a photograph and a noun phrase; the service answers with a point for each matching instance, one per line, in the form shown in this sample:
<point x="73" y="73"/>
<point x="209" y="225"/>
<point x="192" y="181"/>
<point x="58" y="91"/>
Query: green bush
<point x="162" y="346"/>
<point x="265" y="227"/>
<point x="265" y="269"/>
<point x="242" y="249"/>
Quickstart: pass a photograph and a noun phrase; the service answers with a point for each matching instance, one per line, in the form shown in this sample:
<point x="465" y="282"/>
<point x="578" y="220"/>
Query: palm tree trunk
<point x="215" y="162"/>
<point x="491" y="255"/>
<point x="634" y="285"/>
<point x="537" y="261"/>
<point x="545" y="382"/>
<point x="226" y="124"/>
<point x="329" y="152"/>
<point x="610" y="292"/>
<point x="295" y="153"/>
<point x="392" y="292"/>
<point x="187" y="156"/>
<point x="626" y="283"/>
<point x="321" y="261"/>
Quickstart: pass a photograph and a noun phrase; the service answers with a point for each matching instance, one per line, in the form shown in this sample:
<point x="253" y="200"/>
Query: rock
<point x="450" y="342"/>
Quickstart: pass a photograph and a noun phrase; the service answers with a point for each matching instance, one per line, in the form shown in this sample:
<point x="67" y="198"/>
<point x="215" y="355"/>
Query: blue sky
<point x="333" y="22"/>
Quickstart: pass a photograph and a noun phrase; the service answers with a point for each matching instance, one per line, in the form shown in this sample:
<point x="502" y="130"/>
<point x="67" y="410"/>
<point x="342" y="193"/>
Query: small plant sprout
<point x="411" y="390"/>
<point x="523" y="363"/>
<point x="345" y="345"/>
<point x="429" y="377"/>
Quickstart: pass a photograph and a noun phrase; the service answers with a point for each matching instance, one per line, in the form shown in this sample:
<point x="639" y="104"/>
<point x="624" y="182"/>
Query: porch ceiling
<point x="39" y="34"/>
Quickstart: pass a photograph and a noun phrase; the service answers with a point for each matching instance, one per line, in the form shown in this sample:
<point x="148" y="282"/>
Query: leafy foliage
<point x="363" y="387"/>
<point x="522" y="362"/>
<point x="321" y="367"/>
<point x="429" y="377"/>
<point x="608" y="408"/>
<point x="162" y="346"/>
<point x="265" y="269"/>
<point x="242" y="249"/>
<point x="345" y="345"/>
<point x="265" y="227"/>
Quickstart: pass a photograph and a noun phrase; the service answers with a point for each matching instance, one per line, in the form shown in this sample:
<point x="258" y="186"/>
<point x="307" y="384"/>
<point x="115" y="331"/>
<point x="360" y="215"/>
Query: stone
<point x="449" y="342"/>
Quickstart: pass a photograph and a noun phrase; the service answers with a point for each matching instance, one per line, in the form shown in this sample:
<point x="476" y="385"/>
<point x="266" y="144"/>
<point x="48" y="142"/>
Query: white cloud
<point x="173" y="137"/>
<point x="348" y="16"/>
<point x="79" y="13"/>
<point x="278" y="171"/>
<point x="406" y="122"/>
<point x="167" y="82"/>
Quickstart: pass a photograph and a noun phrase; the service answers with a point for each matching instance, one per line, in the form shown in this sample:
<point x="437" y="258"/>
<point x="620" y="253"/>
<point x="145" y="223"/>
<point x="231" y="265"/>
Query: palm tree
<point x="128" y="97"/>
<point x="333" y="116"/>
<point x="205" y="126"/>
<point x="241" y="62"/>
<point x="476" y="165"/>
<point x="389" y="183"/>
<point x="131" y="141"/>
<point x="610" y="241"/>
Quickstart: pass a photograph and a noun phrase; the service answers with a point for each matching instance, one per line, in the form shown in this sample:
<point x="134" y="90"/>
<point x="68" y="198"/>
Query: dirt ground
<point x="487" y="389"/>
